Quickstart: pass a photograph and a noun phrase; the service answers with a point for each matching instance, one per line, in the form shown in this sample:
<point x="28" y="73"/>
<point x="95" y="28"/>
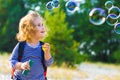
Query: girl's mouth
<point x="42" y="32"/>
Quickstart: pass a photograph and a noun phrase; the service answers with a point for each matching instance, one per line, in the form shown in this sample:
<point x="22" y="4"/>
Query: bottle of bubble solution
<point x="25" y="72"/>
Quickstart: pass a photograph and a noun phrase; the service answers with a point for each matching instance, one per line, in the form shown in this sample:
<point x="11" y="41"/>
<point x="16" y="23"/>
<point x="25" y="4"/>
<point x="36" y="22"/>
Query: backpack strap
<point x="20" y="53"/>
<point x="21" y="50"/>
<point x="45" y="67"/>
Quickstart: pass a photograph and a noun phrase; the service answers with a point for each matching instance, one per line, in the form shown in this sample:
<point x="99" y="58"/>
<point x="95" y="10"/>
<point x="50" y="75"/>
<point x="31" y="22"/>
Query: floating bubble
<point x="55" y="3"/>
<point x="71" y="5"/>
<point x="49" y="5"/>
<point x="117" y="28"/>
<point x="97" y="16"/>
<point x="111" y="19"/>
<point x="108" y="4"/>
<point x="114" y="10"/>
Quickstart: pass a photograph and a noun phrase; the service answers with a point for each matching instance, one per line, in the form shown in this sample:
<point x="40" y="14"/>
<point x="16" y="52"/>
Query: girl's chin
<point x="42" y="36"/>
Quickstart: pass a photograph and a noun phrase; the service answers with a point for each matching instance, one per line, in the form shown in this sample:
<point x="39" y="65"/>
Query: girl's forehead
<point x="37" y="20"/>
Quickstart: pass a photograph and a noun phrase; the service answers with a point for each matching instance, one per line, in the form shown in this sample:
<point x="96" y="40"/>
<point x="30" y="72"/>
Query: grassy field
<point x="84" y="71"/>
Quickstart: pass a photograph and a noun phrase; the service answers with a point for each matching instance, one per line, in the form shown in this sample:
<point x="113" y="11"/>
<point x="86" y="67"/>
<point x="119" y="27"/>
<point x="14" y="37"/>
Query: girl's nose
<point x="43" y="27"/>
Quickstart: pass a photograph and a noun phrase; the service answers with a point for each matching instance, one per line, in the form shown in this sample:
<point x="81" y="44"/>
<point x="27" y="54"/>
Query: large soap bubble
<point x="97" y="16"/>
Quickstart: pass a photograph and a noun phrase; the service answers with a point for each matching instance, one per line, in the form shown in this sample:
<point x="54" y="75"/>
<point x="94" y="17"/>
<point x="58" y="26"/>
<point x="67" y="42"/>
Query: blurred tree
<point x="116" y="55"/>
<point x="10" y="13"/>
<point x="64" y="47"/>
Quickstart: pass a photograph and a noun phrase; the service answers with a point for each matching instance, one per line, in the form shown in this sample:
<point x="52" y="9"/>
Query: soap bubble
<point x="117" y="28"/>
<point x="97" y="16"/>
<point x="55" y="3"/>
<point x="71" y="5"/>
<point x="108" y="4"/>
<point x="114" y="10"/>
<point x="49" y="5"/>
<point x="111" y="19"/>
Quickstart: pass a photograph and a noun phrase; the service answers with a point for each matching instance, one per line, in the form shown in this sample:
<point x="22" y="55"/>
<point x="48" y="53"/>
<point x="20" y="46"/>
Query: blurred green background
<point x="72" y="37"/>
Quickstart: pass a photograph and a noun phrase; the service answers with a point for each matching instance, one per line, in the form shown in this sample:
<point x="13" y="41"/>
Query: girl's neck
<point x="33" y="42"/>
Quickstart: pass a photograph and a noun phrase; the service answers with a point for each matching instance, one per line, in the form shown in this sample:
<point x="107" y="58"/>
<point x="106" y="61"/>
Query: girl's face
<point x="40" y="29"/>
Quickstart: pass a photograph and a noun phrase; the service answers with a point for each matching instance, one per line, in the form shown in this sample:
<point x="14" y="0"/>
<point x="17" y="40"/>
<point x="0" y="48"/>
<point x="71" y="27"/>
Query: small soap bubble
<point x="114" y="10"/>
<point x="71" y="5"/>
<point x="111" y="19"/>
<point x="117" y="28"/>
<point x="49" y="5"/>
<point x="55" y="3"/>
<point x="108" y="4"/>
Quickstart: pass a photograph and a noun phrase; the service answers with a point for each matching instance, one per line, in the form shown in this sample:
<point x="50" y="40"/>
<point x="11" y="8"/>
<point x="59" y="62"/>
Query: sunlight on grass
<point x="105" y="65"/>
<point x="85" y="71"/>
<point x="59" y="73"/>
<point x="4" y="63"/>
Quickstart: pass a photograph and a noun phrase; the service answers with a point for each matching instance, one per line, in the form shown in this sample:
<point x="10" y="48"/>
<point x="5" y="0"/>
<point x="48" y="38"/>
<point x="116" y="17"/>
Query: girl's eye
<point x="39" y="25"/>
<point x="42" y="24"/>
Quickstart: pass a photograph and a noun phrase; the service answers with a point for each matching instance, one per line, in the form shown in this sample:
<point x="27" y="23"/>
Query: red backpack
<point x="20" y="54"/>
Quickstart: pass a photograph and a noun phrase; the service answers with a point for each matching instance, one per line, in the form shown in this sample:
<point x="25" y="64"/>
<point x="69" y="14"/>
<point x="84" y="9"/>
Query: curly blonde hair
<point x="27" y="27"/>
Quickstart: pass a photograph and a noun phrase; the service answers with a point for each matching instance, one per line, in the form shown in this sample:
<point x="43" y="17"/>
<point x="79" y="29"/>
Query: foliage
<point x="10" y="13"/>
<point x="64" y="47"/>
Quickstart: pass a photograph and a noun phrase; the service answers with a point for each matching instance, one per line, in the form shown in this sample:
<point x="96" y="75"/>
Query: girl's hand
<point x="46" y="48"/>
<point x="25" y="66"/>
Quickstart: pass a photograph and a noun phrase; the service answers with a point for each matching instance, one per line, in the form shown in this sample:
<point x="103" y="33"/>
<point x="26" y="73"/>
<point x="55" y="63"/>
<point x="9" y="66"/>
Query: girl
<point x="31" y="31"/>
